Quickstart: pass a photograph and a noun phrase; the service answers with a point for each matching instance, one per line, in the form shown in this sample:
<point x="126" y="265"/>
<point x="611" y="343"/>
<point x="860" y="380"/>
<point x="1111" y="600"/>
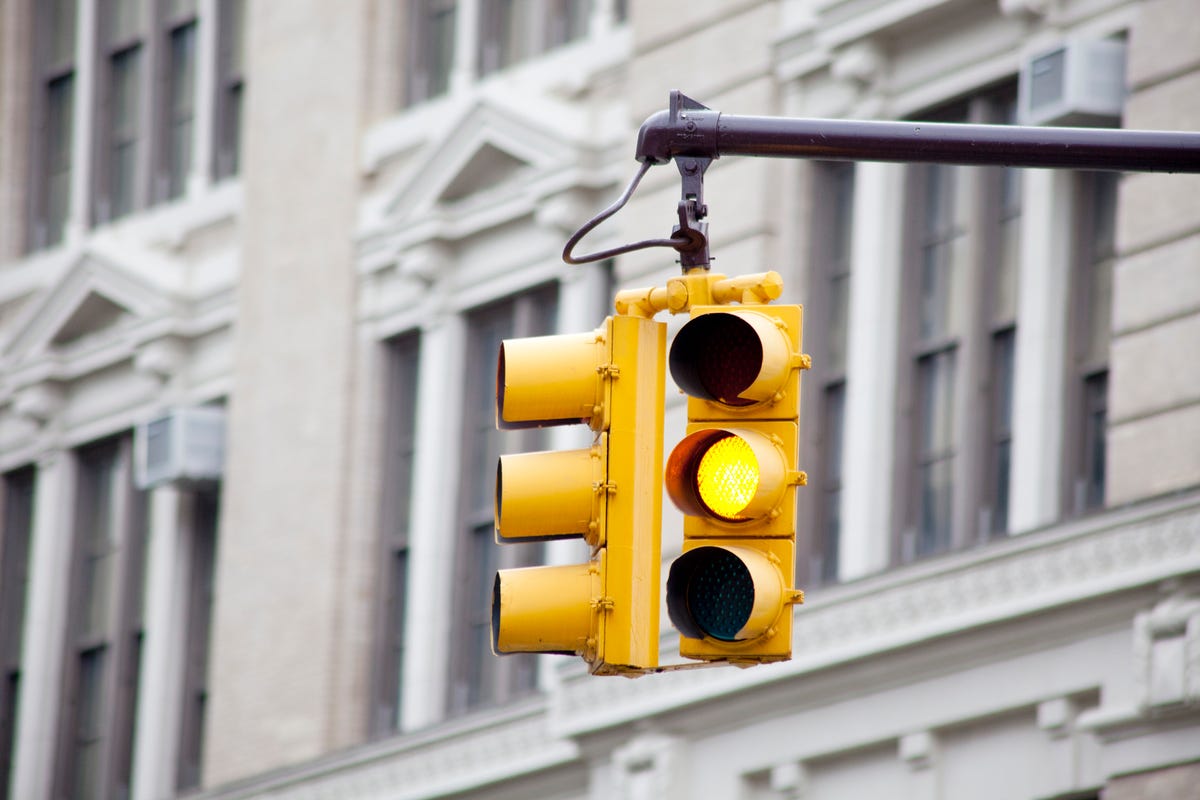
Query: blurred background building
<point x="255" y="262"/>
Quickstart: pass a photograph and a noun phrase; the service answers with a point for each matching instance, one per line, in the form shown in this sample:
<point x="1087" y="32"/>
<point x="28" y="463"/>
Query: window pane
<point x="1094" y="445"/>
<point x="230" y="82"/>
<point x="1003" y="350"/>
<point x="126" y="20"/>
<point x="89" y="724"/>
<point x="177" y="9"/>
<point x="935" y="451"/>
<point x="17" y="490"/>
<point x="123" y="132"/>
<point x="60" y="103"/>
<point x="481" y="688"/>
<point x="1004" y="300"/>
<point x="936" y="404"/>
<point x="199" y="614"/>
<point x="99" y="482"/>
<point x="568" y="20"/>
<point x="936" y="482"/>
<point x="61" y="25"/>
<point x="831" y="481"/>
<point x="942" y="253"/>
<point x="1098" y="266"/>
<point x="440" y="58"/>
<point x="182" y="93"/>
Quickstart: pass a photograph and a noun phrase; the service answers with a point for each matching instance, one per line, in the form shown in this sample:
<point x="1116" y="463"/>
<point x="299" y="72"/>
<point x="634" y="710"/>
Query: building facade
<point x="307" y="226"/>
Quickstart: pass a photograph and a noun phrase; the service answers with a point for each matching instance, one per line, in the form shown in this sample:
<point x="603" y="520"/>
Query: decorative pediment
<point x="91" y="297"/>
<point x="492" y="150"/>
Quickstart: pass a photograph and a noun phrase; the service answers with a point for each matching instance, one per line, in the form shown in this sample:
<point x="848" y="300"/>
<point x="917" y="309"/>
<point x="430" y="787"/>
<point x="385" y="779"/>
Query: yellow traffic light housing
<point x="734" y="477"/>
<point x="605" y="610"/>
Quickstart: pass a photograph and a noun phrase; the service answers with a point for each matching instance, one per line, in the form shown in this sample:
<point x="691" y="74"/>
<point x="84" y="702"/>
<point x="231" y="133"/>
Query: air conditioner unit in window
<point x="1079" y="83"/>
<point x="184" y="446"/>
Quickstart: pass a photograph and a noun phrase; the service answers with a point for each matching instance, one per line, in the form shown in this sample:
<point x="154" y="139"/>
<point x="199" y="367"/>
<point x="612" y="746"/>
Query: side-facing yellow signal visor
<point x="728" y="474"/>
<point x="551" y="495"/>
<point x="551" y="380"/>
<point x="735" y="358"/>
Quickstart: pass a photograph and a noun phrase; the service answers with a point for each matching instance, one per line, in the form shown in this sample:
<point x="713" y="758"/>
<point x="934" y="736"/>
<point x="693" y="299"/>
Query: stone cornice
<point x="1007" y="580"/>
<point x="1069" y="564"/>
<point x="474" y="751"/>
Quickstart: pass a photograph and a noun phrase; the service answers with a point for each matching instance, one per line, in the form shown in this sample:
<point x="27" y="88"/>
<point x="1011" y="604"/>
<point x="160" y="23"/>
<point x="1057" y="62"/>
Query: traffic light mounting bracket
<point x="694" y="136"/>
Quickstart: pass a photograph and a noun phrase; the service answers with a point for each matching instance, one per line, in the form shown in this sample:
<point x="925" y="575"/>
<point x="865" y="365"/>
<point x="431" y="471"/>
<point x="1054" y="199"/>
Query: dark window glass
<point x="205" y="508"/>
<point x="431" y="48"/>
<point x="1091" y="325"/>
<point x="180" y="107"/>
<point x="963" y="268"/>
<point x="935" y="451"/>
<point x="123" y="138"/>
<point x="400" y="449"/>
<point x="53" y="122"/>
<point x="826" y="328"/>
<point x="230" y="84"/>
<point x="1003" y="349"/>
<point x="104" y="626"/>
<point x="16" y="512"/>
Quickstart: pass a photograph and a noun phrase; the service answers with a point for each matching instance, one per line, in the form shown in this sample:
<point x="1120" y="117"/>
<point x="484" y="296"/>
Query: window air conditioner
<point x="1080" y="83"/>
<point x="184" y="446"/>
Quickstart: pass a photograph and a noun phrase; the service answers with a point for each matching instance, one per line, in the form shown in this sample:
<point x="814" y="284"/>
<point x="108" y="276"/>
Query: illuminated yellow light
<point x="727" y="477"/>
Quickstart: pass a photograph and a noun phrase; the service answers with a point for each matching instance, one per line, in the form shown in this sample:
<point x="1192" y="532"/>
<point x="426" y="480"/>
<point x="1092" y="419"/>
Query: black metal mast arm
<point x="690" y="129"/>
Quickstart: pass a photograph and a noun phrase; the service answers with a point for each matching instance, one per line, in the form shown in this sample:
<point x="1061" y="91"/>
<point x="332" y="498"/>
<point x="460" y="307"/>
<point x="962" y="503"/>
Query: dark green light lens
<point x="720" y="594"/>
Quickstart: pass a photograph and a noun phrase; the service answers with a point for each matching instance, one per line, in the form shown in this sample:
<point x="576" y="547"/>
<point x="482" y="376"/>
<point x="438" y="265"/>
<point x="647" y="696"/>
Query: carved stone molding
<point x="39" y="403"/>
<point x="1020" y="577"/>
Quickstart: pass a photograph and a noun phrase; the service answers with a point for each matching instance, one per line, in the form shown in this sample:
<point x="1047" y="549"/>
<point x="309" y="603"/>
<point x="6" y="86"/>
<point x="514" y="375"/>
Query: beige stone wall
<point x="1154" y="406"/>
<point x="287" y="666"/>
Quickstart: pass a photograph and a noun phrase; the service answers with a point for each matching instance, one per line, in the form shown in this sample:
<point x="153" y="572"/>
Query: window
<point x="514" y="30"/>
<point x="16" y="512"/>
<point x="956" y="393"/>
<point x="506" y="32"/>
<point x="140" y="125"/>
<point x="179" y="106"/>
<point x="231" y="60"/>
<point x="477" y="678"/>
<point x="1089" y="335"/>
<point x="827" y="326"/>
<point x="54" y="122"/>
<point x="400" y="440"/>
<point x="104" y="631"/>
<point x="204" y="512"/>
<point x="430" y="48"/>
<point x="120" y="141"/>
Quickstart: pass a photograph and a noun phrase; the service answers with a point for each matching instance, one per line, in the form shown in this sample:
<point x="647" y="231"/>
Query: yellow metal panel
<point x="546" y="609"/>
<point x="634" y="514"/>
<point x="551" y="380"/>
<point x="551" y="495"/>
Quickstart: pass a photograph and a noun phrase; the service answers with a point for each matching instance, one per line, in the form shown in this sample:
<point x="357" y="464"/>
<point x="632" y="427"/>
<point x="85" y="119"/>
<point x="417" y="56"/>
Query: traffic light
<point x="605" y="610"/>
<point x="734" y="476"/>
